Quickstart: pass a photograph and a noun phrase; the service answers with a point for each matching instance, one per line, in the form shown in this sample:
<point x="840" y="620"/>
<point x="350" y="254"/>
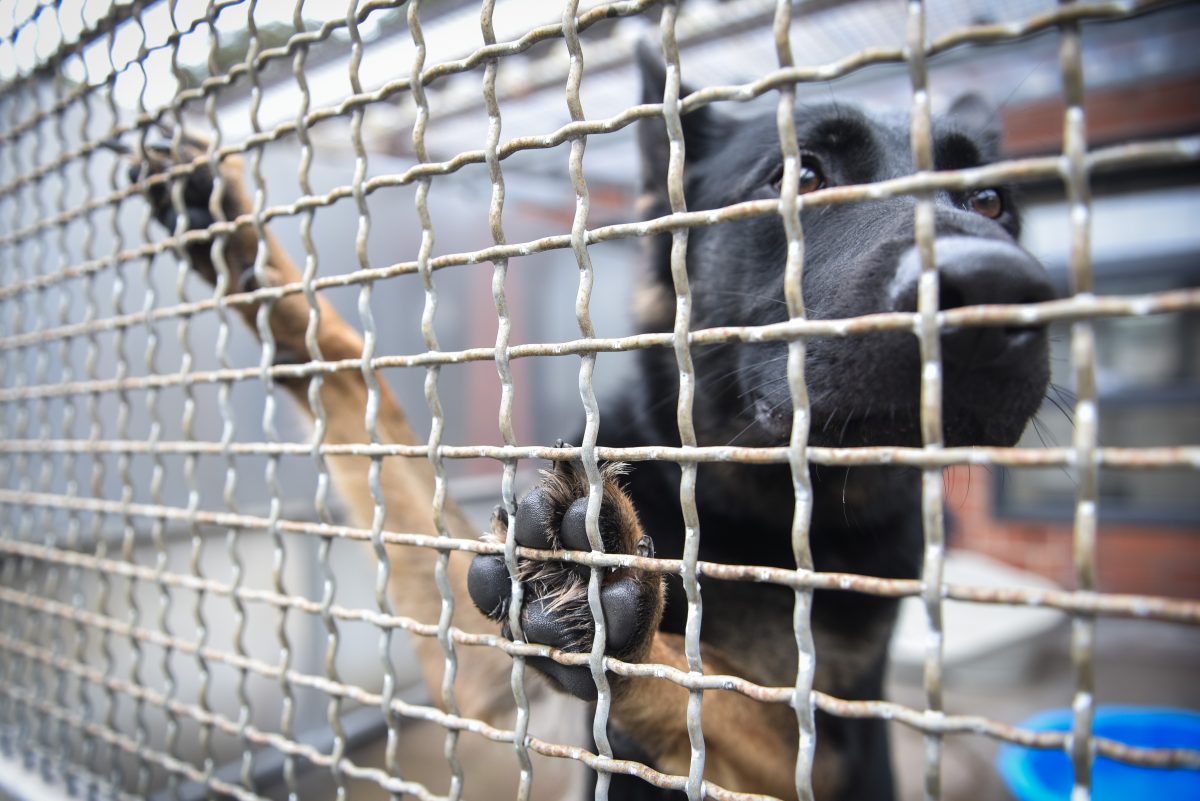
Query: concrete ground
<point x="1137" y="662"/>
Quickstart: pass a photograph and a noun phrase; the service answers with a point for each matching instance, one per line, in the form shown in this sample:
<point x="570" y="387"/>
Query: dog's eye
<point x="810" y="178"/>
<point x="986" y="202"/>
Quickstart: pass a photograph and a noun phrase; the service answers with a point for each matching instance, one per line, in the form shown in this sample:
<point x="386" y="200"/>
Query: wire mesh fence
<point x="183" y="613"/>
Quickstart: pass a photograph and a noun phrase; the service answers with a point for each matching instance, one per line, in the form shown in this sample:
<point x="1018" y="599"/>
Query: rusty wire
<point x="432" y="399"/>
<point x="1074" y="308"/>
<point x="1086" y="435"/>
<point x="981" y="34"/>
<point x="1102" y="604"/>
<point x="914" y="718"/>
<point x="587" y="396"/>
<point x="798" y="454"/>
<point x="1180" y="150"/>
<point x="686" y="396"/>
<point x="933" y="524"/>
<point x="508" y="498"/>
<point x="65" y="729"/>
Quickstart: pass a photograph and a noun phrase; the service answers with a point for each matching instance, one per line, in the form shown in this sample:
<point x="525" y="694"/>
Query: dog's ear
<point x="701" y="128"/>
<point x="980" y="120"/>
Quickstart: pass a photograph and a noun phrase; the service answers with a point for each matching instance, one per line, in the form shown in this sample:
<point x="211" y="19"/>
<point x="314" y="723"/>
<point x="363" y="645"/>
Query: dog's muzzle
<point x="975" y="271"/>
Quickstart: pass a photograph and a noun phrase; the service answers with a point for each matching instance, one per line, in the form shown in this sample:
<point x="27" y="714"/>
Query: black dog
<point x="864" y="390"/>
<point x="860" y="259"/>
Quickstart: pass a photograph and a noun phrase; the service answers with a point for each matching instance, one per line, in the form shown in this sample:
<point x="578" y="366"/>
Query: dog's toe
<point x="489" y="585"/>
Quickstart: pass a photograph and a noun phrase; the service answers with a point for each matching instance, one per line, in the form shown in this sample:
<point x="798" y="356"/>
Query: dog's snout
<point x="972" y="272"/>
<point x="975" y="271"/>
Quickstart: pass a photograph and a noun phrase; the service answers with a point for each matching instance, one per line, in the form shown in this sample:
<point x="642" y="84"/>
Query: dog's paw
<point x="555" y="610"/>
<point x="198" y="207"/>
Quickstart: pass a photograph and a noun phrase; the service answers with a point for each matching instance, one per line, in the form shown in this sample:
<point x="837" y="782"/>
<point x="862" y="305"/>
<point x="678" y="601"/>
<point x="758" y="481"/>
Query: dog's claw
<point x="645" y="548"/>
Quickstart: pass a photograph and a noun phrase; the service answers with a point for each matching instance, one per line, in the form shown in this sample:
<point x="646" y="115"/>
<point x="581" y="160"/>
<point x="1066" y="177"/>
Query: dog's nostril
<point x="1001" y="282"/>
<point x="974" y="271"/>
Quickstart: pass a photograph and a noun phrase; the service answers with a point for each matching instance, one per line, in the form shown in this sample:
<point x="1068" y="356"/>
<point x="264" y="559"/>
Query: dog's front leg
<point x="481" y="687"/>
<point x="750" y="746"/>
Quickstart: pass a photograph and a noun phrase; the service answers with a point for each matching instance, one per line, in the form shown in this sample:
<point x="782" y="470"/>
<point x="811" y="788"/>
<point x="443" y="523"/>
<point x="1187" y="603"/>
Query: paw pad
<point x="553" y="516"/>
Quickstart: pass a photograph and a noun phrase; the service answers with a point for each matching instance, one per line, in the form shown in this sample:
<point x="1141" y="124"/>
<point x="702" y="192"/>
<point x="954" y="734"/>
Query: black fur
<point x="864" y="390"/>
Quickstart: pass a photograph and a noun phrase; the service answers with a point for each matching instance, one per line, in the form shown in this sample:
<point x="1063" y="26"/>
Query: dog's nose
<point x="975" y="271"/>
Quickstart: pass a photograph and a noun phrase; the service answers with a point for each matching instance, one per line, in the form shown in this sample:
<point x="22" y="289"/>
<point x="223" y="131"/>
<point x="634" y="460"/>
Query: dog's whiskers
<point x="699" y="356"/>
<point x="721" y="381"/>
<point x="753" y="295"/>
<point x="1064" y="393"/>
<point x="1039" y="429"/>
<point x="742" y="368"/>
<point x="949" y="481"/>
<point x="1061" y="408"/>
<point x="755" y="420"/>
<point x="763" y="385"/>
<point x="1065" y="399"/>
<point x="1043" y="432"/>
<point x="845" y="426"/>
<point x="738" y="435"/>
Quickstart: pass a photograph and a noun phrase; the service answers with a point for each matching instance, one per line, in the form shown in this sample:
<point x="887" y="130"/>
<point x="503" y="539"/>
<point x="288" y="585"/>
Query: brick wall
<point x="1156" y="560"/>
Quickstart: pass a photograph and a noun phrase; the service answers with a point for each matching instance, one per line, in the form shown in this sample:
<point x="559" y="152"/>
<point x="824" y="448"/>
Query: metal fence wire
<point x="175" y="607"/>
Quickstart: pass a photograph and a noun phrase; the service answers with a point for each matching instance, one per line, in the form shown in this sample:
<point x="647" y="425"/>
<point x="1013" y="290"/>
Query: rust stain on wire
<point x="1101" y="604"/>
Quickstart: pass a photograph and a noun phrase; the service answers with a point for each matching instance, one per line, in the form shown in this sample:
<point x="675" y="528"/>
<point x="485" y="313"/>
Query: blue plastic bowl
<point x="1038" y="775"/>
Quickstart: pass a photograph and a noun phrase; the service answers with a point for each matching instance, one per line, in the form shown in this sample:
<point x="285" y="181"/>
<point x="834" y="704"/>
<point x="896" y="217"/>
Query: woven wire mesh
<point x="113" y="637"/>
